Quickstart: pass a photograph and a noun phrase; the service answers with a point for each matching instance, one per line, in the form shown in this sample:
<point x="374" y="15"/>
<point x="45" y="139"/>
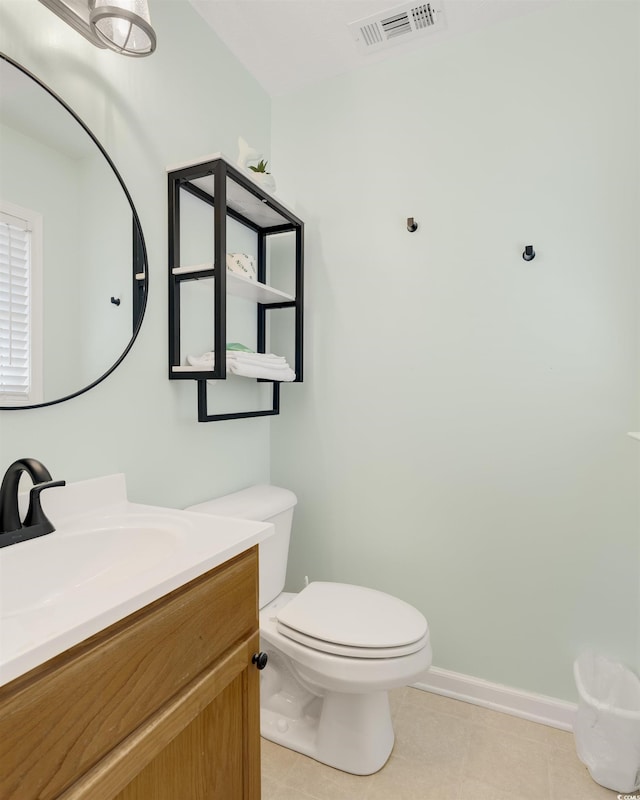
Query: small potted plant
<point x="261" y="176"/>
<point x="247" y="153"/>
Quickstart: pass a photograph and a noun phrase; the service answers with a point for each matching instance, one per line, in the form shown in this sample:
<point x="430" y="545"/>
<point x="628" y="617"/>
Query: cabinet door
<point x="217" y="755"/>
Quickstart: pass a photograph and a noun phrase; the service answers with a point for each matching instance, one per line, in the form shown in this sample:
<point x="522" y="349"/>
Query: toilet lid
<point x="352" y="620"/>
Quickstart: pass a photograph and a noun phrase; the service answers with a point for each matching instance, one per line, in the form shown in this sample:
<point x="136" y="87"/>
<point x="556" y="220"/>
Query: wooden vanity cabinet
<point x="163" y="705"/>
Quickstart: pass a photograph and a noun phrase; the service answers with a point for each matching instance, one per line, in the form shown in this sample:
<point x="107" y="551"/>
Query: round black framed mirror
<point x="73" y="262"/>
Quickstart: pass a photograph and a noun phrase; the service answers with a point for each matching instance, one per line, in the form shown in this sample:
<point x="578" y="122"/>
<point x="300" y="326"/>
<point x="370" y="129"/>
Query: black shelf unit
<point x="235" y="195"/>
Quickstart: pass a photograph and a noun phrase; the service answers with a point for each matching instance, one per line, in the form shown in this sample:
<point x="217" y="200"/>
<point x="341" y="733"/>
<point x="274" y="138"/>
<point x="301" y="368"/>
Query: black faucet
<point x="35" y="523"/>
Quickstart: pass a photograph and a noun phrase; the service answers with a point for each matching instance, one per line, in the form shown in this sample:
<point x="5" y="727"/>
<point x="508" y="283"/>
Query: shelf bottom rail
<point x="204" y="416"/>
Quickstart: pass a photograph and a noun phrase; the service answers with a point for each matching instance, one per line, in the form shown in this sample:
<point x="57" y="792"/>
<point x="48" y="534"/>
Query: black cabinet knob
<point x="260" y="660"/>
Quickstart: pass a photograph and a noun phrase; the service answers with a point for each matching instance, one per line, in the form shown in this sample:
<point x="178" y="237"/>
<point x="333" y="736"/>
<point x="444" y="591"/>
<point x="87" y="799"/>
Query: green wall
<point x="460" y="440"/>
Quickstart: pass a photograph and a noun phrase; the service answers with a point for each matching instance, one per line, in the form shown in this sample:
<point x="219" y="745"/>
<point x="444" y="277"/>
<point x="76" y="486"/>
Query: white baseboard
<point x="534" y="707"/>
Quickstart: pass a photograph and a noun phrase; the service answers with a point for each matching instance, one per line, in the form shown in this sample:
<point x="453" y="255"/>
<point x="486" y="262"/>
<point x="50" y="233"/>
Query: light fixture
<point x="121" y="25"/>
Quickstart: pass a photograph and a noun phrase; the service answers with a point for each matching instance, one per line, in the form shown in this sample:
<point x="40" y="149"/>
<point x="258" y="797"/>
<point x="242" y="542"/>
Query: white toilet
<point x="334" y="650"/>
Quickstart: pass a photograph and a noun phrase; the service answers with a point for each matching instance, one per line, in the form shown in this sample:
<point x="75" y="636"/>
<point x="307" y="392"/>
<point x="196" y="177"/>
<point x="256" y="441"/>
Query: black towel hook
<point x="529" y="253"/>
<point x="115" y="301"/>
<point x="412" y="225"/>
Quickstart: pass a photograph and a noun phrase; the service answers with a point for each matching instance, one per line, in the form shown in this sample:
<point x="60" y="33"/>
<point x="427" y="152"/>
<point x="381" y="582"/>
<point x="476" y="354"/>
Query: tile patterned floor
<point x="444" y="750"/>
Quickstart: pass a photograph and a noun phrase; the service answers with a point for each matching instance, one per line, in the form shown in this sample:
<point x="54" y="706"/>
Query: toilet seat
<point x="352" y="652"/>
<point x="352" y="621"/>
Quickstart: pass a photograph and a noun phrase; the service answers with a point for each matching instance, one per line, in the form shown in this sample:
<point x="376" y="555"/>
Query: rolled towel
<point x="205" y="361"/>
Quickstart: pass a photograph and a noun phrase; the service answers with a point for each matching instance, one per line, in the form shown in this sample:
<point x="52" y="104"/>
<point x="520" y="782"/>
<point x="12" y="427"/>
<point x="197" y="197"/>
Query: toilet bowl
<point x="335" y="650"/>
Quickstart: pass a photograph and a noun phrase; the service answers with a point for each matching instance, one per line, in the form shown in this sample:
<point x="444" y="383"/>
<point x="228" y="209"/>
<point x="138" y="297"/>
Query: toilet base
<point x="350" y="732"/>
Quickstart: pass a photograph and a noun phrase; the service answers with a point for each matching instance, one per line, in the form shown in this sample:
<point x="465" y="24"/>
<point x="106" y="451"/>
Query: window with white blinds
<point x="20" y="306"/>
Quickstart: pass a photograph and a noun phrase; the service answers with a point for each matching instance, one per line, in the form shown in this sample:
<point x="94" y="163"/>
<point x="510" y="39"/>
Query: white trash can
<point x="607" y="725"/>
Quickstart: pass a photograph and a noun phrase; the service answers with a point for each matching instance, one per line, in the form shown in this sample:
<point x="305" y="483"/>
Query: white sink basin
<point x="99" y="566"/>
<point x="96" y="555"/>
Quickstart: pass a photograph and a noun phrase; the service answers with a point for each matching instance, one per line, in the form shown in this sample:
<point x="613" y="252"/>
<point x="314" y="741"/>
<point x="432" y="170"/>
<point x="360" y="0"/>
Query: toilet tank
<point x="263" y="503"/>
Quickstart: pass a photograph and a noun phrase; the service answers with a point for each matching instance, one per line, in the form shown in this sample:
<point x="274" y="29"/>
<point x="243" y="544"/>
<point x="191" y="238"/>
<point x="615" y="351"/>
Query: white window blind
<point x="20" y="383"/>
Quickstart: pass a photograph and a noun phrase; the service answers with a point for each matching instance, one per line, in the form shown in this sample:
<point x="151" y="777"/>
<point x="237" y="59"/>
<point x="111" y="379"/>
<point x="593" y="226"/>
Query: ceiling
<point x="289" y="44"/>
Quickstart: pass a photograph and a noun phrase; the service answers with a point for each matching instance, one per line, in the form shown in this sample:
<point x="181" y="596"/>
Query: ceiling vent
<point x="397" y="25"/>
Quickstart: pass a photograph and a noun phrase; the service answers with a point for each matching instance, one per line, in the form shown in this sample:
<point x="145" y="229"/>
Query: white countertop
<point x="106" y="559"/>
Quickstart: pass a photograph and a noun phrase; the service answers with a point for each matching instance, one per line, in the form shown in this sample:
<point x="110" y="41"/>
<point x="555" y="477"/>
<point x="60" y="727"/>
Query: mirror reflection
<point x="72" y="260"/>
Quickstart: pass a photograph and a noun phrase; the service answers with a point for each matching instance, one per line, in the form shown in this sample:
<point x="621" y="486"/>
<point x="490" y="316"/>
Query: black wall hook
<point x="115" y="301"/>
<point x="412" y="225"/>
<point x="529" y="253"/>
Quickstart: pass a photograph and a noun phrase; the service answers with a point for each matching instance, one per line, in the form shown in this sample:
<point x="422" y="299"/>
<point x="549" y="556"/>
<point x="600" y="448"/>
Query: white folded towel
<point x="265" y="359"/>
<point x="248" y="365"/>
<point x="256" y="371"/>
